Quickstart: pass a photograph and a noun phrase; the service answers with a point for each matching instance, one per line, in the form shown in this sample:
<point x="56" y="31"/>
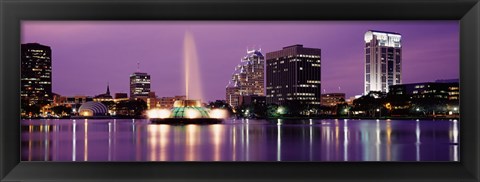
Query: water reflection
<point x="279" y="140"/>
<point x="389" y="140"/>
<point x="164" y="139"/>
<point x="74" y="141"/>
<point x="85" y="141"/>
<point x="192" y="142"/>
<point x="109" y="141"/>
<point x="241" y="140"/>
<point x="454" y="139"/>
<point x="216" y="137"/>
<point x="345" y="140"/>
<point x="417" y="143"/>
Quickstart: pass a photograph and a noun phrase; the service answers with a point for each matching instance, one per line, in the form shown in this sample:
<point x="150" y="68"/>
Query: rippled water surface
<point x="241" y="140"/>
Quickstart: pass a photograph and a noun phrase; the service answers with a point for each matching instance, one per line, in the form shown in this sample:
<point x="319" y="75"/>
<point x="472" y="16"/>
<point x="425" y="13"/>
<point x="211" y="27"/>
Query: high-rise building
<point x="294" y="74"/>
<point x="139" y="85"/>
<point x="383" y="60"/>
<point x="247" y="79"/>
<point x="36" y="73"/>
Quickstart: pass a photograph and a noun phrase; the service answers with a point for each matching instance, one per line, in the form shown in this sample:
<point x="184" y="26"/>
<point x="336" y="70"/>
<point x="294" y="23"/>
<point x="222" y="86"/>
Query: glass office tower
<point x="36" y="74"/>
<point x="294" y="74"/>
<point x="383" y="60"/>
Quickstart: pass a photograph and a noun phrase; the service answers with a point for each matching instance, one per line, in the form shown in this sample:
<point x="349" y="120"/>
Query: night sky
<point x="87" y="55"/>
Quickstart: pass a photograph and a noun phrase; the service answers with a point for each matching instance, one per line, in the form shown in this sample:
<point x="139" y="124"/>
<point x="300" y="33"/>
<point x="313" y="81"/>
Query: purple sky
<point x="88" y="54"/>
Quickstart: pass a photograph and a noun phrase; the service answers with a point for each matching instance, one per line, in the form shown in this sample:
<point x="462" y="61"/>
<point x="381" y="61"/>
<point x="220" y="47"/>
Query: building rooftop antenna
<point x="138" y="66"/>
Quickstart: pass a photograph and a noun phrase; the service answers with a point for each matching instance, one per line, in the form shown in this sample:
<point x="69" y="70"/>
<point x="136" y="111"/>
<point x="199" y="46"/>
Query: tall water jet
<point x="193" y="90"/>
<point x="190" y="110"/>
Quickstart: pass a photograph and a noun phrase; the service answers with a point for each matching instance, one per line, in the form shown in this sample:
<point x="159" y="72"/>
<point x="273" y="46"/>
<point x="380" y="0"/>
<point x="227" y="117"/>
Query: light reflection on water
<point x="241" y="140"/>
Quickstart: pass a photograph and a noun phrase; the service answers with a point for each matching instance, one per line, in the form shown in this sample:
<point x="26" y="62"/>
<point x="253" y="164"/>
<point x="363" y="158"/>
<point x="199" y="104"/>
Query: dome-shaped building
<point x="93" y="109"/>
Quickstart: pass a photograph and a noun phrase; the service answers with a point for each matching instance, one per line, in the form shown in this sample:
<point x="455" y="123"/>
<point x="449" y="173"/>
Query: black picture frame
<point x="467" y="12"/>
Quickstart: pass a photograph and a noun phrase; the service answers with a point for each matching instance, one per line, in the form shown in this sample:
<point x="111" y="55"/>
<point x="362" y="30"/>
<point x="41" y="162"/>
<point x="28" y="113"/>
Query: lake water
<point x="241" y="140"/>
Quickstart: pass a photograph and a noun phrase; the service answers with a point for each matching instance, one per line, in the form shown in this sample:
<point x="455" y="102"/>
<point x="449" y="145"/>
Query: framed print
<point x="294" y="103"/>
<point x="202" y="90"/>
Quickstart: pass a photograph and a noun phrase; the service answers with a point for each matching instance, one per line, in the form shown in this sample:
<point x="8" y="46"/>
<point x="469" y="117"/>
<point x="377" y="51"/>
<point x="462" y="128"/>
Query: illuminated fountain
<point x="189" y="110"/>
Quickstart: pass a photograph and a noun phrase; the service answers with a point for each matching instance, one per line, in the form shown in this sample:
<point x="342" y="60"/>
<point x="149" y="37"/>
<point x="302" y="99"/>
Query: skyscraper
<point x="294" y="74"/>
<point x="139" y="85"/>
<point x="36" y="74"/>
<point x="383" y="60"/>
<point x="247" y="79"/>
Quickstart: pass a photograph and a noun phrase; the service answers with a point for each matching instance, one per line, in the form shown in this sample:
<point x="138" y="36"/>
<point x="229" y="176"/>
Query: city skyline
<point x="100" y="46"/>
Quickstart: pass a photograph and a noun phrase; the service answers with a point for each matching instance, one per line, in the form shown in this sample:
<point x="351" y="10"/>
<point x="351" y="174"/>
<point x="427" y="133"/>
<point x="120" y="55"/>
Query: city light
<point x="388" y="106"/>
<point x="158" y="113"/>
<point x="280" y="110"/>
<point x="86" y="113"/>
<point x="192" y="113"/>
<point x="218" y="113"/>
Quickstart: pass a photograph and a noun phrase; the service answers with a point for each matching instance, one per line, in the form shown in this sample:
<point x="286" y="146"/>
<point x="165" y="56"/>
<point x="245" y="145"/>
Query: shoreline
<point x="283" y="118"/>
